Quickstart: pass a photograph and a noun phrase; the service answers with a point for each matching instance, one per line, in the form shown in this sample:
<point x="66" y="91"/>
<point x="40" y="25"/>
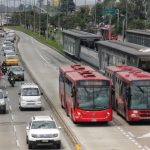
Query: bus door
<point x="62" y="89"/>
<point x="69" y="97"/>
<point x="123" y="99"/>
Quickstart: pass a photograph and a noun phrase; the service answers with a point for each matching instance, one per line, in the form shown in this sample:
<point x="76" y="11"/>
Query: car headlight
<point x="55" y="135"/>
<point x="2" y="102"/>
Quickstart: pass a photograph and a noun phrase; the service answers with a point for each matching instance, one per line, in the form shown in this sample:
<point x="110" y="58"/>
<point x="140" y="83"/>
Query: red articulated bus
<point x="111" y="71"/>
<point x="107" y="34"/>
<point x="132" y="94"/>
<point x="85" y="94"/>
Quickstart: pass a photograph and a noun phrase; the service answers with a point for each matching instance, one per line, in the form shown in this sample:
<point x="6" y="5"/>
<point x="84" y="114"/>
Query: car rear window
<point x="30" y="92"/>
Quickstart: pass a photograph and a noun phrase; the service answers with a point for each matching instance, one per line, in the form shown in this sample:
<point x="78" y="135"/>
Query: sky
<point x="78" y="2"/>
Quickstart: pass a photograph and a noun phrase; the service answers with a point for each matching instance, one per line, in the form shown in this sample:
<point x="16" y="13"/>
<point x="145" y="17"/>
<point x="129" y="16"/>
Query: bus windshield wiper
<point x="140" y="89"/>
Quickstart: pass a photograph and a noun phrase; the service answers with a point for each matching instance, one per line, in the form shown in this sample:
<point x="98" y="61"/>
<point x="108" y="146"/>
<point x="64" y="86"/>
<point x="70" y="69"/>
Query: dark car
<point x="18" y="72"/>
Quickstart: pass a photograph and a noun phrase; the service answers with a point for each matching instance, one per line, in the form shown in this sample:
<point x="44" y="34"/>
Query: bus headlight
<point x="78" y="115"/>
<point x="133" y="115"/>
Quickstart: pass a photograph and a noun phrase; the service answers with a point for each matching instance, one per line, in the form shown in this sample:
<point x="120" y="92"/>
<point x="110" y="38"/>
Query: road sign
<point x="112" y="11"/>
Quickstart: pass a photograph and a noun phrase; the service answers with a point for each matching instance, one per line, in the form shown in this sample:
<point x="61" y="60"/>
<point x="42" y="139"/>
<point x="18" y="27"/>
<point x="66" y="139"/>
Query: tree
<point x="83" y="17"/>
<point x="67" y="6"/>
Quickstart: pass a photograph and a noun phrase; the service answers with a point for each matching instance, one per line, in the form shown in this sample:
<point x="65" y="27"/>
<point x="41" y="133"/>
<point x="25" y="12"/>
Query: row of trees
<point x="87" y="18"/>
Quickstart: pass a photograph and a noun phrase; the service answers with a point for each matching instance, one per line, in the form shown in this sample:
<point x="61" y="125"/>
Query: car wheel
<point x="30" y="146"/>
<point x="22" y="79"/>
<point x="58" y="145"/>
<point x="4" y="111"/>
<point x="27" y="140"/>
<point x="20" y="108"/>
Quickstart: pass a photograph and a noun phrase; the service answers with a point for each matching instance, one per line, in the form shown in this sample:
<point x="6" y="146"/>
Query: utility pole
<point x="118" y="19"/>
<point x="1" y="14"/>
<point x="20" y="13"/>
<point x="126" y="3"/>
<point x="47" y="23"/>
<point x="34" y="17"/>
<point x="40" y="20"/>
<point x="95" y="13"/>
<point x="7" y="13"/>
<point x="14" y="10"/>
<point x="59" y="23"/>
<point x="25" y="13"/>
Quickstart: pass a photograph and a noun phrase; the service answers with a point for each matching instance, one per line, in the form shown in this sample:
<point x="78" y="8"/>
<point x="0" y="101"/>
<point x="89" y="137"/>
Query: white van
<point x="30" y="96"/>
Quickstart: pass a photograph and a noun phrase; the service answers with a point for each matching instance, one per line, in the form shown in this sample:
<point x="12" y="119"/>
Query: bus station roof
<point x="137" y="31"/>
<point x="81" y="34"/>
<point x="126" y="47"/>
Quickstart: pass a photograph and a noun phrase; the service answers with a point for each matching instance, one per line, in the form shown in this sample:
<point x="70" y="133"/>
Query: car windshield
<point x="16" y="69"/>
<point x="9" y="48"/>
<point x="10" y="53"/>
<point x="43" y="125"/>
<point x="93" y="97"/>
<point x="30" y="92"/>
<point x="1" y="95"/>
<point x="11" y="57"/>
<point x="7" y="42"/>
<point x="140" y="95"/>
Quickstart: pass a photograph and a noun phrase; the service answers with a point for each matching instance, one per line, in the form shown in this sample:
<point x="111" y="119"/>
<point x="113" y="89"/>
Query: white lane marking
<point x="131" y="134"/>
<point x="147" y="148"/>
<point x="15" y="129"/>
<point x="8" y="99"/>
<point x="43" y="58"/>
<point x="10" y="108"/>
<point x="18" y="144"/>
<point x="6" y="92"/>
<point x="139" y="146"/>
<point x="12" y="117"/>
<point x="147" y="135"/>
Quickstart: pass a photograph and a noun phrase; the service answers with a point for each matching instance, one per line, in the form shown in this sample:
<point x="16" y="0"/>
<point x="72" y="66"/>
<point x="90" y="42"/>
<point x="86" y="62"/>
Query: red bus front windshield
<point x="140" y="95"/>
<point x="93" y="95"/>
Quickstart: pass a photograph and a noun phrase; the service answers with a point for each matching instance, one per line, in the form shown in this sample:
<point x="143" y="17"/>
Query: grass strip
<point x="51" y="43"/>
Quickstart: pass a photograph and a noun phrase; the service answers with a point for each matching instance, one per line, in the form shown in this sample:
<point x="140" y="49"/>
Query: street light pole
<point x="126" y="13"/>
<point x="40" y="20"/>
<point x="47" y="23"/>
<point x="14" y="10"/>
<point x="34" y="17"/>
<point x="20" y="13"/>
<point x="1" y="14"/>
<point x="25" y="13"/>
<point x="118" y="19"/>
<point x="7" y="13"/>
<point x="95" y="12"/>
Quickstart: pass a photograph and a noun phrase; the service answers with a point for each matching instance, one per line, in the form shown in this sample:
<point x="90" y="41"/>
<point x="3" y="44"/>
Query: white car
<point x="7" y="43"/>
<point x="43" y="131"/>
<point x="30" y="96"/>
<point x="2" y="102"/>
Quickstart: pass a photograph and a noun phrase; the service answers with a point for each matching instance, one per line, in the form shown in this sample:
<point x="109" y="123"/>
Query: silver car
<point x="2" y="102"/>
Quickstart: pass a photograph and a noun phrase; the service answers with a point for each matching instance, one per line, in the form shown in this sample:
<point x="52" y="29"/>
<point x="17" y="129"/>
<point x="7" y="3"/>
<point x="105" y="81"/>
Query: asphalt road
<point x="13" y="123"/>
<point x="43" y="63"/>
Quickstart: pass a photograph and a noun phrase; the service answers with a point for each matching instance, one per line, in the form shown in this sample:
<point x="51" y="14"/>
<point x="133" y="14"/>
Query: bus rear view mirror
<point x="72" y="92"/>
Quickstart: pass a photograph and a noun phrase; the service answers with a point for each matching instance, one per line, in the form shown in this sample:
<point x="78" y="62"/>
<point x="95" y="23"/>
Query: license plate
<point x="44" y="141"/>
<point x="30" y="103"/>
<point x="94" y="120"/>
